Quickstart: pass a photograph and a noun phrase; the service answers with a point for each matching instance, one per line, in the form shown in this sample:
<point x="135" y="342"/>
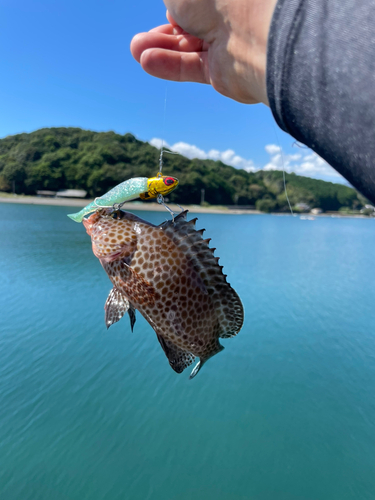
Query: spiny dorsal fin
<point x="181" y="216"/>
<point x="190" y="241"/>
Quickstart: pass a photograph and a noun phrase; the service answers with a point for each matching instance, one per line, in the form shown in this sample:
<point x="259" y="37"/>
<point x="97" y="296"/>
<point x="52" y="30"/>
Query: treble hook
<point x="160" y="200"/>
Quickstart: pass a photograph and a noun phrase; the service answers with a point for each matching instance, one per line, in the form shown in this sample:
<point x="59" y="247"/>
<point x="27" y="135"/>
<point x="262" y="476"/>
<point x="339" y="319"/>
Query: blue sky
<point x="66" y="63"/>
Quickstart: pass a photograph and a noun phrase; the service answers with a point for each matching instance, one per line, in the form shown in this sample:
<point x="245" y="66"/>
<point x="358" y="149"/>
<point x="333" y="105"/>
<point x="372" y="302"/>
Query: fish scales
<point x="170" y="275"/>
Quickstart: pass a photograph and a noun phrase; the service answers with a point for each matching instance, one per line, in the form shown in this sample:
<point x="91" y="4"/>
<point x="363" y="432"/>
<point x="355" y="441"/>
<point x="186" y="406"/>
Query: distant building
<point x="316" y="211"/>
<point x="368" y="210"/>
<point x="71" y="193"/>
<point x="302" y="207"/>
<point x="46" y="193"/>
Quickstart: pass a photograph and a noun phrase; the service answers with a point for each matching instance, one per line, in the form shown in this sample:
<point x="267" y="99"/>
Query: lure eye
<point x="169" y="181"/>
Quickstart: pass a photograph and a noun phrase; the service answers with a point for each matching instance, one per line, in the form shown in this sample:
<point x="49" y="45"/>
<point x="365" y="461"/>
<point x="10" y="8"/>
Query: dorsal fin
<point x="190" y="241"/>
<point x="181" y="216"/>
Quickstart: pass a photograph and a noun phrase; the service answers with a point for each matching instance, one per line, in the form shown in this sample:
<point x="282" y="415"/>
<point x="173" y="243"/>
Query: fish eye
<point x="169" y="181"/>
<point x="116" y="214"/>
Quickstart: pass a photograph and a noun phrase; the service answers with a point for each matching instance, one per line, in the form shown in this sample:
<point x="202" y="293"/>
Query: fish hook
<point x="118" y="206"/>
<point x="160" y="200"/>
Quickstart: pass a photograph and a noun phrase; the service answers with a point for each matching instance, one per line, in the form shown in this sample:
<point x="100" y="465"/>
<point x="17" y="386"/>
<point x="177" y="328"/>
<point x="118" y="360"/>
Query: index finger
<point x="167" y="29"/>
<point x="157" y="40"/>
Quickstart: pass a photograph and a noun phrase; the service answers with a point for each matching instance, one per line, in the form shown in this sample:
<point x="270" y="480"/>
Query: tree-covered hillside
<point x="72" y="158"/>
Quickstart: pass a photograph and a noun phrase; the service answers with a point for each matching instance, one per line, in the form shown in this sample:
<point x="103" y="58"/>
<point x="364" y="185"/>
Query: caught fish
<point x="170" y="275"/>
<point x="138" y="187"/>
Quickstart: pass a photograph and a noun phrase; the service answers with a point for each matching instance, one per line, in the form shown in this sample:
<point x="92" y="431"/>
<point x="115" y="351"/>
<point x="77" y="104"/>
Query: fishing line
<point x="160" y="200"/>
<point x="162" y="139"/>
<point x="160" y="197"/>
<point x="162" y="150"/>
<point x="283" y="165"/>
<point x="300" y="145"/>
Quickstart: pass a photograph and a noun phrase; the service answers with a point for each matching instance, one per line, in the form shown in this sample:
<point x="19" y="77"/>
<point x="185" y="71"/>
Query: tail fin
<point x="77" y="217"/>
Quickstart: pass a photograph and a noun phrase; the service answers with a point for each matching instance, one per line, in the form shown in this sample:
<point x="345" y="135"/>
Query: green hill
<point x="72" y="158"/>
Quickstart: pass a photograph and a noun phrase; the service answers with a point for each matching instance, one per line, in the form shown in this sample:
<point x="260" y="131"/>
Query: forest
<point x="72" y="158"/>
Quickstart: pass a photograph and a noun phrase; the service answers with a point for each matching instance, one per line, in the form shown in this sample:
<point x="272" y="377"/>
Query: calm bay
<point x="285" y="412"/>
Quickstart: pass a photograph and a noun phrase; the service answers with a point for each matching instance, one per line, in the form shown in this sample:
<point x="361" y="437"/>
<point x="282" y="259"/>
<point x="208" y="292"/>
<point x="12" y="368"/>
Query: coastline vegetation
<point x="72" y="158"/>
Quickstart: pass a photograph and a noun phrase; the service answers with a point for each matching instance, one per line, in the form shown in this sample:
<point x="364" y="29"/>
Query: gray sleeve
<point x="321" y="81"/>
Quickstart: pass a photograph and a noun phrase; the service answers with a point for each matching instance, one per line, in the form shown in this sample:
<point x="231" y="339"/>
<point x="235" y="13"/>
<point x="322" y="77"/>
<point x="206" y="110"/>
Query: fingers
<point x="168" y="52"/>
<point x="160" y="40"/>
<point x="175" y="66"/>
<point x="167" y="29"/>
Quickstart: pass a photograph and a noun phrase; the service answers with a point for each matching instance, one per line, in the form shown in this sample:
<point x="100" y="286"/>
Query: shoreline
<point x="153" y="206"/>
<point x="131" y="205"/>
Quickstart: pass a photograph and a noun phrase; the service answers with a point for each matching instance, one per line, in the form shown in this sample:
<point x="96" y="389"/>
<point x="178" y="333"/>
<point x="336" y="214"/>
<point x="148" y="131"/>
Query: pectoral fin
<point x="178" y="358"/>
<point x="115" y="307"/>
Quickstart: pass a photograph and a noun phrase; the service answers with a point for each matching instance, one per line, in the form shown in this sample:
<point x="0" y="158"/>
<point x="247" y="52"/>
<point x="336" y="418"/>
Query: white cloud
<point x="157" y="143"/>
<point x="188" y="150"/>
<point x="305" y="162"/>
<point x="272" y="149"/>
<point x="228" y="157"/>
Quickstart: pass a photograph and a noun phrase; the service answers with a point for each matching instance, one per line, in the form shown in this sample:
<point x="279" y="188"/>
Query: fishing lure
<point x="138" y="187"/>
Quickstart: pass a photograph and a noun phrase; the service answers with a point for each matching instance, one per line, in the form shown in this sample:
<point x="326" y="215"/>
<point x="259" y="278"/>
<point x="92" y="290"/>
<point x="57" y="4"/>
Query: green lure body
<point x="126" y="191"/>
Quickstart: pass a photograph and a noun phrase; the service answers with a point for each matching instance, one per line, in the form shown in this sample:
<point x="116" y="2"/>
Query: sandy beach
<point x="145" y="206"/>
<point x="132" y="205"/>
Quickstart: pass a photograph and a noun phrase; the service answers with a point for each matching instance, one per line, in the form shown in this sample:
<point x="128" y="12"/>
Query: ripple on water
<point x="286" y="411"/>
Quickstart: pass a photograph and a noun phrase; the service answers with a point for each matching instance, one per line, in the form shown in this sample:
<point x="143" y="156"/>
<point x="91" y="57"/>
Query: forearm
<point x="321" y="81"/>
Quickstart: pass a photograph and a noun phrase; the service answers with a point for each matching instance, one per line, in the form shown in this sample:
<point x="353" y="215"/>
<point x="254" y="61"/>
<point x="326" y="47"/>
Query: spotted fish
<point x="170" y="275"/>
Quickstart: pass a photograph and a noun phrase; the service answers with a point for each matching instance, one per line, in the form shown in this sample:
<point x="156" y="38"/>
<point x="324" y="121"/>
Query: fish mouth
<point x="90" y="221"/>
<point x="87" y="225"/>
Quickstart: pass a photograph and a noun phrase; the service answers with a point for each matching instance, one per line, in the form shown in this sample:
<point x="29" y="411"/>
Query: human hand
<point x="218" y="42"/>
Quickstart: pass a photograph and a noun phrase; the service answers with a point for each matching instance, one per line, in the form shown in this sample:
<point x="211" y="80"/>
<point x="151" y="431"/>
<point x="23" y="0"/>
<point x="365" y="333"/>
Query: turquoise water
<point x="287" y="411"/>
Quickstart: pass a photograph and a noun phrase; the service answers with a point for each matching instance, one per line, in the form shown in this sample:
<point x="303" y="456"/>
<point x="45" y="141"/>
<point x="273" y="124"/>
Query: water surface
<point x="286" y="411"/>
